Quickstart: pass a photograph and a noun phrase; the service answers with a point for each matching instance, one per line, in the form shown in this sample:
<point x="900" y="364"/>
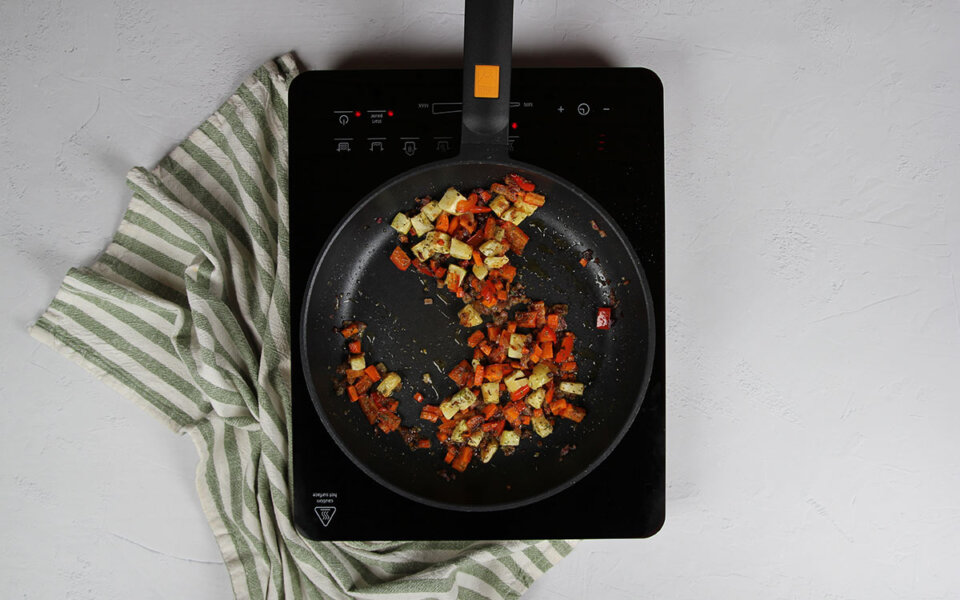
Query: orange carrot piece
<point x="511" y="414"/>
<point x="400" y="259"/>
<point x="477" y="258"/>
<point x="566" y="348"/>
<point x="354" y="347"/>
<point x="478" y="376"/>
<point x="547" y="353"/>
<point x="558" y="406"/>
<point x="372" y="373"/>
<point x="536" y="354"/>
<point x="574" y="413"/>
<point x="451" y="454"/>
<point x="534" y="199"/>
<point x="547" y="335"/>
<point x="463" y="459"/>
<point x="354" y="394"/>
<point x="488" y="410"/>
<point x="493" y="372"/>
<point x="442" y="223"/>
<point x="423" y="443"/>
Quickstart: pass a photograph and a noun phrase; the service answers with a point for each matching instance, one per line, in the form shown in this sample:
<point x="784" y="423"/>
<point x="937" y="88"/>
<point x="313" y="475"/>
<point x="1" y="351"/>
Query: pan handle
<point x="487" y="52"/>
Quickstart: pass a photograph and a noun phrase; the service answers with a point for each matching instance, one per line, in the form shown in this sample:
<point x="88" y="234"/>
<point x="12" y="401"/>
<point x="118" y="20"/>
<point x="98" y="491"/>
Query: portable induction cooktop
<point x="350" y="131"/>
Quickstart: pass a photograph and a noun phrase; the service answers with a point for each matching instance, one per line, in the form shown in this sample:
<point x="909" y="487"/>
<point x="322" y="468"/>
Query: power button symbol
<point x="344" y="119"/>
<point x="583" y="109"/>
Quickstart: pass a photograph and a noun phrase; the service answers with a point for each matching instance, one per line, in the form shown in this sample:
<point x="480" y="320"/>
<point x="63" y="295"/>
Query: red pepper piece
<point x="520" y="393"/>
<point x="604" y="318"/>
<point x="422" y="268"/>
<point x="520" y="182"/>
<point x="430" y="413"/>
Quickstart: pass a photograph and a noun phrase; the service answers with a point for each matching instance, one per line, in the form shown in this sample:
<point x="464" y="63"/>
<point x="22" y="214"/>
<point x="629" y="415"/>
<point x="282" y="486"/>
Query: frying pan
<point x="353" y="278"/>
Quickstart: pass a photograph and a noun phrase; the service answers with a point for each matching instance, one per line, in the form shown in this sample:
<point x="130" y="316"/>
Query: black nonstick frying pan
<point x="353" y="278"/>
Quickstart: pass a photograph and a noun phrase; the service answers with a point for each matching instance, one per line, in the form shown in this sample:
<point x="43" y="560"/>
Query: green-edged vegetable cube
<point x="459" y="401"/>
<point x="470" y="316"/>
<point x="541" y="426"/>
<point x="451" y="198"/>
<point x="421" y="224"/>
<point x="515" y="380"/>
<point x="570" y="387"/>
<point x="432" y="210"/>
<point x="439" y="242"/>
<point x="535" y="399"/>
<point x="460" y="250"/>
<point x="401" y="223"/>
<point x="509" y="437"/>
<point x="389" y="384"/>
<point x="540" y="376"/>
<point x="488" y="450"/>
<point x="491" y="392"/>
<point x="496" y="262"/>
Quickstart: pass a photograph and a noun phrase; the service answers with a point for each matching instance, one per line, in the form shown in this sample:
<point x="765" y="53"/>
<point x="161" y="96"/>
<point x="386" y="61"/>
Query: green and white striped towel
<point x="187" y="313"/>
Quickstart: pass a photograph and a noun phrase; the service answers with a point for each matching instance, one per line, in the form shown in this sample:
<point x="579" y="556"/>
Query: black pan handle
<point x="487" y="52"/>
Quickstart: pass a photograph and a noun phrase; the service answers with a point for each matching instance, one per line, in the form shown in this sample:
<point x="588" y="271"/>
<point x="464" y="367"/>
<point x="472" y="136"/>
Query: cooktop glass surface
<point x="601" y="129"/>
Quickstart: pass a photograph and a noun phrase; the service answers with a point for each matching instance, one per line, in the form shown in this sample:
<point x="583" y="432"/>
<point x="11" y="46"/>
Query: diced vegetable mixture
<point x="465" y="242"/>
<point x="372" y="387"/>
<point x="521" y="378"/>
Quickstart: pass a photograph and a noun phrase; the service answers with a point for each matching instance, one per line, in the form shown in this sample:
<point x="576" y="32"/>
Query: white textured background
<point x="813" y="226"/>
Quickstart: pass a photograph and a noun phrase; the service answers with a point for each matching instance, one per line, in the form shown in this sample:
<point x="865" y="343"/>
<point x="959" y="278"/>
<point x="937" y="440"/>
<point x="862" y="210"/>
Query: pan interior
<point x="354" y="279"/>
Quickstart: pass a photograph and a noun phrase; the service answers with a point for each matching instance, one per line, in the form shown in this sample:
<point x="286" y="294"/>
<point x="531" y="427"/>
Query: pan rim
<point x="612" y="227"/>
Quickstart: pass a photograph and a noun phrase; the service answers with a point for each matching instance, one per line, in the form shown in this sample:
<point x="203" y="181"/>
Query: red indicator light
<point x="513" y="125"/>
<point x="389" y="113"/>
<point x="357" y="113"/>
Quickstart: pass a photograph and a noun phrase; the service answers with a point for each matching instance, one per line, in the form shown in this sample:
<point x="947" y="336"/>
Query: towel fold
<point x="187" y="313"/>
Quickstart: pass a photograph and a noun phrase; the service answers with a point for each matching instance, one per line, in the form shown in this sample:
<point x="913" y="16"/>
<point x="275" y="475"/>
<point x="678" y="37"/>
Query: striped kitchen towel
<point x="187" y="313"/>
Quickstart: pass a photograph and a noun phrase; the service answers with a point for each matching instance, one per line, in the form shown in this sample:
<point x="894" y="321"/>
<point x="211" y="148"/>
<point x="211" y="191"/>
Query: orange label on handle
<point x="486" y="81"/>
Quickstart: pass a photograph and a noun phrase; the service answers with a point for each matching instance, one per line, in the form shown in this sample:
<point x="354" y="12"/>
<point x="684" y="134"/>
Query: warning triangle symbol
<point x="325" y="514"/>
